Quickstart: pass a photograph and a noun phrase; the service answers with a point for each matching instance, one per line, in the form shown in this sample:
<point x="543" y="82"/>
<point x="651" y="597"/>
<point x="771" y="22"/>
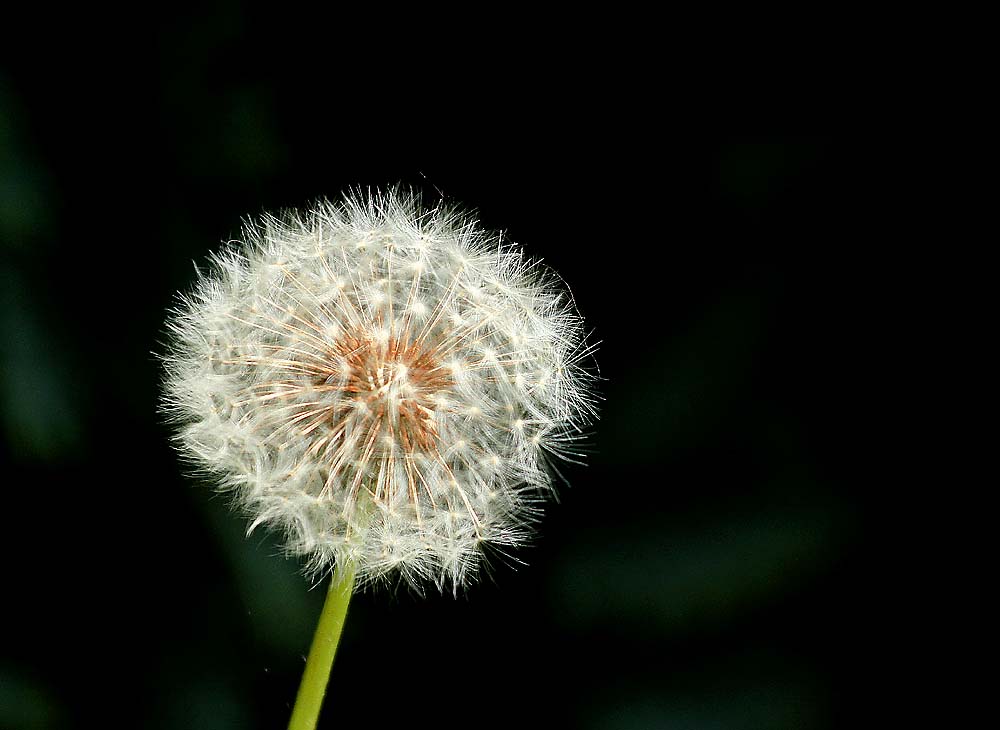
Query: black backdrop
<point x="708" y="568"/>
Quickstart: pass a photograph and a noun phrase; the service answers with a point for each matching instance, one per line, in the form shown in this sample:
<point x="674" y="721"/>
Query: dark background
<point x="710" y="568"/>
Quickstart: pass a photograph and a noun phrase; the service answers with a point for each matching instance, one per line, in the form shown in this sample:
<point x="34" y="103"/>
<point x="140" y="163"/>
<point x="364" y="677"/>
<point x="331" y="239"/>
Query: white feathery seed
<point x="384" y="383"/>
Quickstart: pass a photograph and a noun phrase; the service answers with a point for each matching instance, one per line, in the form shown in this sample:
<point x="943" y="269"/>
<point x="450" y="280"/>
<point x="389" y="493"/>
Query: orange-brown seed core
<point x="394" y="387"/>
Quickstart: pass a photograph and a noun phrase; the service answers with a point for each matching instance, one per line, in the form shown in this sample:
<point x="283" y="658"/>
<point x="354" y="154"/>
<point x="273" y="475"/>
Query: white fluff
<point x="382" y="382"/>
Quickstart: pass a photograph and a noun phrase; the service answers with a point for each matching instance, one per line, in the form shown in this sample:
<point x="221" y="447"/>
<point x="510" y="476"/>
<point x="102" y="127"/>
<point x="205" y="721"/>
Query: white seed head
<point x="382" y="382"/>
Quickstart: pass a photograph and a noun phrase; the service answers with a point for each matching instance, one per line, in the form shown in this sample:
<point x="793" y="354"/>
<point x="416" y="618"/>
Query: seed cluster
<point x="384" y="383"/>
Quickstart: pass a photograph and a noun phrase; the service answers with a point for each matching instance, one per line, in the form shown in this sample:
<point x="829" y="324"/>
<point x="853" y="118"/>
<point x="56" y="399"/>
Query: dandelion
<point x="388" y="385"/>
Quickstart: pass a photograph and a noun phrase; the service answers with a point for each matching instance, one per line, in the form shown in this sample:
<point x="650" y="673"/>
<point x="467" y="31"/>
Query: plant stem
<point x="321" y="653"/>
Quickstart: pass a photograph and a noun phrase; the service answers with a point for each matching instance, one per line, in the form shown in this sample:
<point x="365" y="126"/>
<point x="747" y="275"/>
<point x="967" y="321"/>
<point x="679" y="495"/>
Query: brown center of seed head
<point x="390" y="389"/>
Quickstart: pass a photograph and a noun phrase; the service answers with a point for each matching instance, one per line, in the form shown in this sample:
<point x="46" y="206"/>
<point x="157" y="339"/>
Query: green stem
<point x="324" y="646"/>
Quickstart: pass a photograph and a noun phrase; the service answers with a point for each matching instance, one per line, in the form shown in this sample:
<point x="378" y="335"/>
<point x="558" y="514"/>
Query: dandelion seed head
<point x="382" y="382"/>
